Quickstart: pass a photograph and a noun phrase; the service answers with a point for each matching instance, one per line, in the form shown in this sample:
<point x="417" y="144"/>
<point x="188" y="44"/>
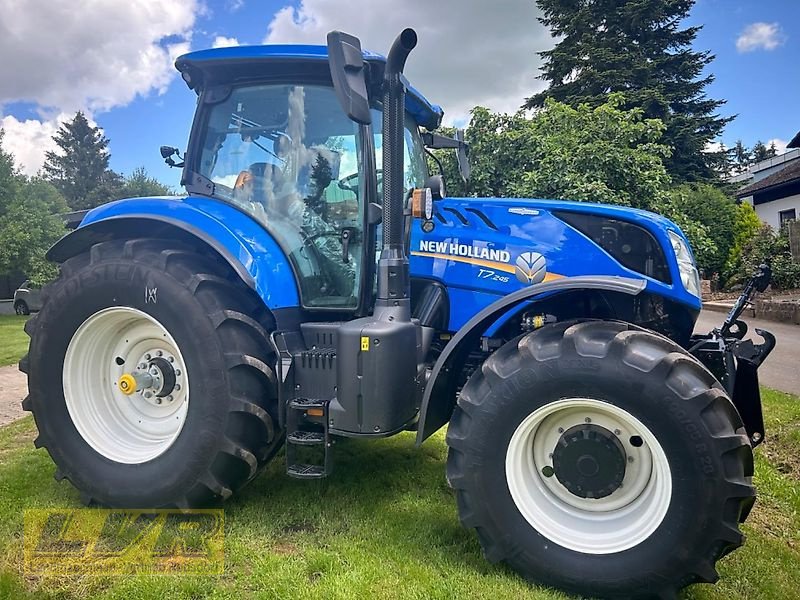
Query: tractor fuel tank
<point x="378" y="387"/>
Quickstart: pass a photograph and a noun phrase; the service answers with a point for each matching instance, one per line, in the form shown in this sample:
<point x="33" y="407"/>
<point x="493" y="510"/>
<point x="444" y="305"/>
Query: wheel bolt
<point x="142" y="366"/>
<point x="147" y="357"/>
<point x="587" y="420"/>
<point x="159" y="353"/>
<point x="548" y="471"/>
<point x="177" y="371"/>
<point x="171" y="358"/>
<point x="158" y="400"/>
<point x="148" y="394"/>
<point x="617" y="432"/>
<point x="630" y="459"/>
<point x="560" y="430"/>
<point x="177" y="386"/>
<point x="169" y="398"/>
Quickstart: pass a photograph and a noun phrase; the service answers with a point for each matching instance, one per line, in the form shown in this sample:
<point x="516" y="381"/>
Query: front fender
<point x="439" y="398"/>
<point x="237" y="238"/>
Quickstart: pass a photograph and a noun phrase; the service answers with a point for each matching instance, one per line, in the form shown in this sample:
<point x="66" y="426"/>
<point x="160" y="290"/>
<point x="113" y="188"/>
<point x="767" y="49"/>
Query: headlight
<point x="689" y="276"/>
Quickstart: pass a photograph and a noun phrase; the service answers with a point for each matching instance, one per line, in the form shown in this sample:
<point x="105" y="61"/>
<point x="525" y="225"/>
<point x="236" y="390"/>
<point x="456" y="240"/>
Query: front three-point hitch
<point x="735" y="360"/>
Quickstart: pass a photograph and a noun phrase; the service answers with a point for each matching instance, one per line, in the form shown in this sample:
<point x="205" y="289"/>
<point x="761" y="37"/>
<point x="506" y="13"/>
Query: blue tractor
<point x="316" y="283"/>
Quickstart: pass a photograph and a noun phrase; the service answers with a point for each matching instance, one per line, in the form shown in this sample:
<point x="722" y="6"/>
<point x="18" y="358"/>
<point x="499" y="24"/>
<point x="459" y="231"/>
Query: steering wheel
<point x="350" y="183"/>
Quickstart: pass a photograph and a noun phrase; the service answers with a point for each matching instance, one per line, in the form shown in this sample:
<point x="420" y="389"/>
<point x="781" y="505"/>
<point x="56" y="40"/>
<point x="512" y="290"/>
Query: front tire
<point x="602" y="459"/>
<point x="148" y="305"/>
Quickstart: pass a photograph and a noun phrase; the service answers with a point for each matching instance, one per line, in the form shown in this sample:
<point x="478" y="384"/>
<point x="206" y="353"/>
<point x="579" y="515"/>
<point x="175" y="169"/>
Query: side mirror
<point x="462" y="156"/>
<point x="347" y="72"/>
<point x="167" y="152"/>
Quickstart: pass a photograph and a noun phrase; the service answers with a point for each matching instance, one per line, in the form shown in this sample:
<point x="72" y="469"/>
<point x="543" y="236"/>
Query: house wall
<point x="769" y="212"/>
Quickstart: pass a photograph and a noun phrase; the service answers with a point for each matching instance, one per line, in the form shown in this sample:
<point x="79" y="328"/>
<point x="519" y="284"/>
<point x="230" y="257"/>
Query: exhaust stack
<point x="393" y="269"/>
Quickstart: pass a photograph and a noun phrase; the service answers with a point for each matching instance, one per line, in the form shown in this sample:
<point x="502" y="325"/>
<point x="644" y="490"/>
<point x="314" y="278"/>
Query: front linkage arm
<point x="735" y="361"/>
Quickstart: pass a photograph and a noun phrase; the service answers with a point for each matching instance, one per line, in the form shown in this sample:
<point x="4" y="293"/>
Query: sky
<point x="113" y="59"/>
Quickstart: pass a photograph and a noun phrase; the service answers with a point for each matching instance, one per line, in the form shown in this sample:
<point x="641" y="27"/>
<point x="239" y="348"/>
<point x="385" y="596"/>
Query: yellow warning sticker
<point x="364" y="343"/>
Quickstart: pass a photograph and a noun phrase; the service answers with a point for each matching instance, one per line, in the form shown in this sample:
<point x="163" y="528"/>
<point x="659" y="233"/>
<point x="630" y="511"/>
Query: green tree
<point x="762" y="152"/>
<point x="709" y="206"/>
<point x="602" y="154"/>
<point x="139" y="184"/>
<point x="772" y="150"/>
<point x="636" y="47"/>
<point x="746" y="226"/>
<point x="80" y="166"/>
<point x="9" y="179"/>
<point x="29" y="221"/>
<point x="767" y="246"/>
<point x="742" y="156"/>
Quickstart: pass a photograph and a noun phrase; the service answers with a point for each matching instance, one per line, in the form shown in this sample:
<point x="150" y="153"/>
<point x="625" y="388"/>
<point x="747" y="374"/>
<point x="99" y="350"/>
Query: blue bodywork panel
<point x="424" y="112"/>
<point x="476" y="278"/>
<point x="240" y="235"/>
<point x="483" y="273"/>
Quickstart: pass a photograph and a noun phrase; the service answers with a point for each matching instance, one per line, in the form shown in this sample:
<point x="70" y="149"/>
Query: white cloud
<point x="780" y="145"/>
<point x="764" y="36"/>
<point x="234" y="5"/>
<point x="28" y="140"/>
<point x="62" y="56"/>
<point x="93" y="56"/>
<point x="480" y="53"/>
<point x="714" y="147"/>
<point x="223" y="42"/>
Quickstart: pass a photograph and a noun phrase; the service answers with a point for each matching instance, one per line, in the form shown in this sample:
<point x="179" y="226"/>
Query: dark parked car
<point x="27" y="299"/>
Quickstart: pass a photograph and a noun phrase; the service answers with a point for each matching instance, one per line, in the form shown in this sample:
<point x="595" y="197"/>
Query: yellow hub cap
<point x="127" y="384"/>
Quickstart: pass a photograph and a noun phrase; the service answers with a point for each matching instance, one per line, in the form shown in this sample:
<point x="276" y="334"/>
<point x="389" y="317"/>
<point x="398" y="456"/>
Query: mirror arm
<point x="437" y="141"/>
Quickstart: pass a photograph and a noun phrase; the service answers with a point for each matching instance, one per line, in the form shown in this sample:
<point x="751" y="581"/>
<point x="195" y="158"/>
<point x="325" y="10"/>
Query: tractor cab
<point x="271" y="138"/>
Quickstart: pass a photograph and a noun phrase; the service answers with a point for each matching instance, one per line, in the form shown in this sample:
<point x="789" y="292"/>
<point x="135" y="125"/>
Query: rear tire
<point x="630" y="396"/>
<point x="211" y="322"/>
<point x="21" y="307"/>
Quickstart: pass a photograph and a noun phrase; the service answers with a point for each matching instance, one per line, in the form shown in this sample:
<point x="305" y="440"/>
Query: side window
<point x="414" y="168"/>
<point x="288" y="156"/>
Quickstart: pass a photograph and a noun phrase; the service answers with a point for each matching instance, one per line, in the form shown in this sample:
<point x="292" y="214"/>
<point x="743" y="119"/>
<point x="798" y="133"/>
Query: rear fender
<point x="239" y="240"/>
<point x="439" y="398"/>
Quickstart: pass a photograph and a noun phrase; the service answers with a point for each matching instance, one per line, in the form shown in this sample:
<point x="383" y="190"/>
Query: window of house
<point x="787" y="215"/>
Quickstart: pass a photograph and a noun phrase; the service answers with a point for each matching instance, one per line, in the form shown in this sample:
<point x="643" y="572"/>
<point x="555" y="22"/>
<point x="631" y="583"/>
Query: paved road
<point x="781" y="370"/>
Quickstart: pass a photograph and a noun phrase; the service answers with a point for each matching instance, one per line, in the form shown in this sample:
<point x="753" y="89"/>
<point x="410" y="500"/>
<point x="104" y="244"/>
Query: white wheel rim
<point x="617" y="522"/>
<point x="133" y="428"/>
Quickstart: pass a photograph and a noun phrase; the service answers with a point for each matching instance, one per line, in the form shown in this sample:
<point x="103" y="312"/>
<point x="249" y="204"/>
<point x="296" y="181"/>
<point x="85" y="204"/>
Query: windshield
<point x="268" y="147"/>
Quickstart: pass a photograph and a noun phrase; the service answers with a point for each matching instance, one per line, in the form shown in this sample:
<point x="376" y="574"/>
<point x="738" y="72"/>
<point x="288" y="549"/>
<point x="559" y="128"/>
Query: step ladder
<point x="307" y="428"/>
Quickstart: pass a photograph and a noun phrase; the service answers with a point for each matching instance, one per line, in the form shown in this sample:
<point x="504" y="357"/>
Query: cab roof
<point x="216" y="64"/>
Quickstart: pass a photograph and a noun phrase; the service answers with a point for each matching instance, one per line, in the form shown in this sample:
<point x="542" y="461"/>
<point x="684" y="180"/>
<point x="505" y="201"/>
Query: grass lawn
<point x="13" y="340"/>
<point x="383" y="526"/>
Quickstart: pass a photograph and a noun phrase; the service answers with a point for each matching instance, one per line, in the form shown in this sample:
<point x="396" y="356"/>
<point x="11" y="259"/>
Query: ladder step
<point x="306" y="438"/>
<point x="300" y="471"/>
<point x="306" y="403"/>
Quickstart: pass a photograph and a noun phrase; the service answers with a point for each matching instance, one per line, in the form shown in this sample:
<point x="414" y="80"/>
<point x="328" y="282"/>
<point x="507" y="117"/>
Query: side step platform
<point x="308" y="445"/>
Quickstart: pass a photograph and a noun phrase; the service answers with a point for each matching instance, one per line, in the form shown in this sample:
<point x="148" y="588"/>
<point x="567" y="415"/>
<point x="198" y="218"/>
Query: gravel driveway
<point x="13" y="388"/>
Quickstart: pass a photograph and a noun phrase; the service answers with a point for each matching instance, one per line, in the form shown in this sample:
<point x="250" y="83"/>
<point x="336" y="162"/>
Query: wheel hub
<point x="589" y="461"/>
